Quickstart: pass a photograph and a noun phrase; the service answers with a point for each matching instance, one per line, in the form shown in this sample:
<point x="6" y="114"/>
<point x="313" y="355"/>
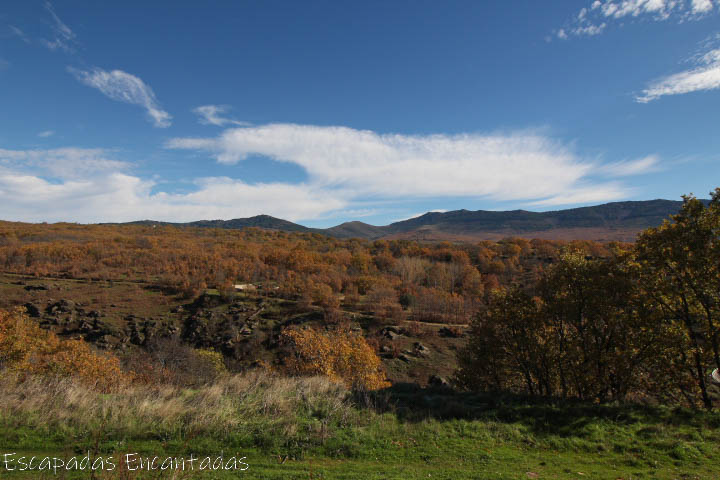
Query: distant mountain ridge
<point x="620" y="221"/>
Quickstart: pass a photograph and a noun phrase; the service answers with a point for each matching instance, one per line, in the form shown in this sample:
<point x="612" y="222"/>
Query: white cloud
<point x="46" y="133"/>
<point x="124" y="87"/>
<point x="704" y="77"/>
<point x="589" y="30"/>
<point x="347" y="169"/>
<point x="64" y="163"/>
<point x="635" y="8"/>
<point x="365" y="164"/>
<point x="119" y="197"/>
<point x="87" y="185"/>
<point x="212" y="115"/>
<point x="586" y="194"/>
<point x="634" y="167"/>
<point x="593" y="20"/>
<point x="354" y="213"/>
<point x="64" y="38"/>
<point x="701" y="6"/>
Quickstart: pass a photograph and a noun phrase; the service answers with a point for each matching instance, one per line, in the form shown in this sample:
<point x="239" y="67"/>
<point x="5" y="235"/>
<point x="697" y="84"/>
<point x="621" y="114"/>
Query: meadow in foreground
<point x="314" y="428"/>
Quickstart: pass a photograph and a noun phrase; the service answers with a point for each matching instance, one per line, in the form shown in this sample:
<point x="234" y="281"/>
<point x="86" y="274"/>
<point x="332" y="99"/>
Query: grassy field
<point x="311" y="428"/>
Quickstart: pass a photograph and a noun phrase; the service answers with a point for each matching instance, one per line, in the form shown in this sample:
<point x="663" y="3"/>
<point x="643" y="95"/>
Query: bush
<point x="340" y="354"/>
<point x="26" y="349"/>
<point x="170" y="361"/>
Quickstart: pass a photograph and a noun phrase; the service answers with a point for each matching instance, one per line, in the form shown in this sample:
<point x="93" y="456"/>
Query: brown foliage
<point x="27" y="350"/>
<point x="310" y="267"/>
<point x="340" y="354"/>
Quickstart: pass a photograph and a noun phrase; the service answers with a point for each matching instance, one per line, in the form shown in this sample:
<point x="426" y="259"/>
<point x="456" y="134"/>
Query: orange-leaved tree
<point x="27" y="349"/>
<point x="340" y="354"/>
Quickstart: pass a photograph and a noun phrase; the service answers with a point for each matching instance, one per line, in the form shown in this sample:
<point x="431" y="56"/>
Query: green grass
<point x="448" y="450"/>
<point x="317" y="431"/>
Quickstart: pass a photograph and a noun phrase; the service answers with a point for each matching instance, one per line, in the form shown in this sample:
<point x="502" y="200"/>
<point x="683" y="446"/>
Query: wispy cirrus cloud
<point x="63" y="37"/>
<point x="46" y="133"/>
<point x="705" y="76"/>
<point x="594" y="18"/>
<point x="586" y="194"/>
<point x="361" y="164"/>
<point x="17" y="32"/>
<point x="639" y="166"/>
<point x="213" y="115"/>
<point x="115" y="84"/>
<point x="125" y="87"/>
<point x="64" y="163"/>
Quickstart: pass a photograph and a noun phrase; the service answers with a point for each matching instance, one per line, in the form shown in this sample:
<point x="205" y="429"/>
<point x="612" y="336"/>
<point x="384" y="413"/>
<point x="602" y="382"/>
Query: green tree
<point x="506" y="350"/>
<point x="587" y="334"/>
<point x="599" y="323"/>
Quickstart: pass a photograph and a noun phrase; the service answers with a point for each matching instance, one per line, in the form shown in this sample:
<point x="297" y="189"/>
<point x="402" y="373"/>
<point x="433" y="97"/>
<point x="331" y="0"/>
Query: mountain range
<point x="617" y="221"/>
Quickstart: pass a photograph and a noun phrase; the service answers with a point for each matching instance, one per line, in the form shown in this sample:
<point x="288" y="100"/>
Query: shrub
<point x="26" y="349"/>
<point x="214" y="360"/>
<point x="340" y="354"/>
<point x="170" y="361"/>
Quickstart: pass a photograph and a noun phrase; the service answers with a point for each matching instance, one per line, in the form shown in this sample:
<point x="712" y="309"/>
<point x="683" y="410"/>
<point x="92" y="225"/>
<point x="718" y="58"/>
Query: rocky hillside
<point x="127" y="318"/>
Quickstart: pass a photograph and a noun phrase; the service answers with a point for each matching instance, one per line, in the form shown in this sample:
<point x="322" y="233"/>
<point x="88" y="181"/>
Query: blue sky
<point x="325" y="111"/>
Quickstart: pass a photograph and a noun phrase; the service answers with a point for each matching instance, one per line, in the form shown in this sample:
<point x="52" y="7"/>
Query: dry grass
<point x="278" y="421"/>
<point x="255" y="403"/>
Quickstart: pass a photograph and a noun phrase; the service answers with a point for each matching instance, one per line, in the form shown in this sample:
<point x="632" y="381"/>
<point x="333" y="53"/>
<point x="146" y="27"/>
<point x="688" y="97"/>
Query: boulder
<point x="391" y="332"/>
<point x="450" y="332"/>
<point x="420" y="349"/>
<point x="137" y="338"/>
<point x="32" y="310"/>
<point x="61" y="306"/>
<point x="31" y="288"/>
<point x="391" y="335"/>
<point x="438" y="382"/>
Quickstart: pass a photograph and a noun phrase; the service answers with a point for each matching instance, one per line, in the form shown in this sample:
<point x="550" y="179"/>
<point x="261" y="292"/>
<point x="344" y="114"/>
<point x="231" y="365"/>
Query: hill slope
<point x="260" y="221"/>
<point x="611" y="221"/>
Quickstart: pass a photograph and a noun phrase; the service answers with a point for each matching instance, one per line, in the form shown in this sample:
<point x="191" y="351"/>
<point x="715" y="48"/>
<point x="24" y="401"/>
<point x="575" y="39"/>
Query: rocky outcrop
<point x="392" y="332"/>
<point x="436" y="381"/>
